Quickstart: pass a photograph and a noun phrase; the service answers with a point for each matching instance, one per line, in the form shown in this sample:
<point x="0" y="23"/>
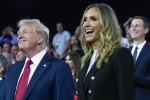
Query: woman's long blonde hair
<point x="109" y="34"/>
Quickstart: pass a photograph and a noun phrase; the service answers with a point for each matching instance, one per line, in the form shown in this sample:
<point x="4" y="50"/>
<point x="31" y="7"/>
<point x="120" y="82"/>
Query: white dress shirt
<point x="36" y="60"/>
<point x="140" y="46"/>
<point x="1" y="78"/>
<point x="93" y="59"/>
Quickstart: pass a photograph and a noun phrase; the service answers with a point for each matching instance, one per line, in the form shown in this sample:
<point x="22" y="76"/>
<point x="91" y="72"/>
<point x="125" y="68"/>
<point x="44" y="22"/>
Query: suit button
<point x="90" y="91"/>
<point x="76" y="80"/>
<point x="92" y="78"/>
<point x="76" y="92"/>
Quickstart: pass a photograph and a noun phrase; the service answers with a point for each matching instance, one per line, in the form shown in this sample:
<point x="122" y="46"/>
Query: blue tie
<point x="135" y="54"/>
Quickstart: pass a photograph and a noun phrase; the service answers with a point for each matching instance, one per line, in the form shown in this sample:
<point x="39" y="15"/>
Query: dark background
<point x="68" y="11"/>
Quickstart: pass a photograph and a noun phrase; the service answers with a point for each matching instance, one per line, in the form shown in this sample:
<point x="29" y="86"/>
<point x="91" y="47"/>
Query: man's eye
<point x="25" y="31"/>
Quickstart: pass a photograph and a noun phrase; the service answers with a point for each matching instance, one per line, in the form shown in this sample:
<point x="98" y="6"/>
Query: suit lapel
<point x="1" y="82"/>
<point x="80" y="84"/>
<point x="41" y="68"/>
<point x="143" y="51"/>
<point x="18" y="68"/>
<point x="89" y="75"/>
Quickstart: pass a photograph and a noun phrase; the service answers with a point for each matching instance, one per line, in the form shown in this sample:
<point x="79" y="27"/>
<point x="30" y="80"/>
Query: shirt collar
<point x="140" y="45"/>
<point x="38" y="57"/>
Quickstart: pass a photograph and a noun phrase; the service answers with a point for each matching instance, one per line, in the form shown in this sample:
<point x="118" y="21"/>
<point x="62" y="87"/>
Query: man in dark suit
<point x="138" y="30"/>
<point x="40" y="76"/>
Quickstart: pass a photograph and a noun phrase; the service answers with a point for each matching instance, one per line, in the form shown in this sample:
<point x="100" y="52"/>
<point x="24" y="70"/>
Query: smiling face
<point x="27" y="38"/>
<point x="6" y="47"/>
<point x="74" y="41"/>
<point x="70" y="62"/>
<point x="20" y="56"/>
<point x="91" y="25"/>
<point x="14" y="50"/>
<point x="137" y="30"/>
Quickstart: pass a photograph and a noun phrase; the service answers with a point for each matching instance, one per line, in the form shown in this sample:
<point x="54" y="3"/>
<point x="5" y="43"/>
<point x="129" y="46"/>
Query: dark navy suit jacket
<point x="142" y="74"/>
<point x="52" y="80"/>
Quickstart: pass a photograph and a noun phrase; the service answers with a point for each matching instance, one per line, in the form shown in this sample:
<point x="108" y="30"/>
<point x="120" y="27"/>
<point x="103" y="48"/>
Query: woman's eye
<point x="93" y="18"/>
<point x="69" y="59"/>
<point x="85" y="19"/>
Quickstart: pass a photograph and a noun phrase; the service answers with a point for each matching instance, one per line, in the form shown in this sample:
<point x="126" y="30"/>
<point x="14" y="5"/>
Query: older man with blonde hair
<point x="40" y="76"/>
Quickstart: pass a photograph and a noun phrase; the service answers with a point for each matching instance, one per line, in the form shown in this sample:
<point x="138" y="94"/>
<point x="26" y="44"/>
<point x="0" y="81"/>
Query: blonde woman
<point x="107" y="68"/>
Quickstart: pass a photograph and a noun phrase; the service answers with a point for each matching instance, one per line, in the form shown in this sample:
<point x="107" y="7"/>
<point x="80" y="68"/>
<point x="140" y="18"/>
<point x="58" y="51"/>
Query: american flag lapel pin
<point x="44" y="65"/>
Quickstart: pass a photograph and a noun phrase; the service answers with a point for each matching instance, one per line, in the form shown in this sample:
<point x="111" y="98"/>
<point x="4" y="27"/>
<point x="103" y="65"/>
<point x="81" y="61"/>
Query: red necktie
<point x="22" y="84"/>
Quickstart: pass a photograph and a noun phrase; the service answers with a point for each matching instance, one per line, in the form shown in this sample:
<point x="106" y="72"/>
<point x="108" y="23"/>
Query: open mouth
<point x="89" y="32"/>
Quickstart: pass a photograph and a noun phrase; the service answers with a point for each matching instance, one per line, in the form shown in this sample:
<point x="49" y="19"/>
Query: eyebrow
<point x="23" y="30"/>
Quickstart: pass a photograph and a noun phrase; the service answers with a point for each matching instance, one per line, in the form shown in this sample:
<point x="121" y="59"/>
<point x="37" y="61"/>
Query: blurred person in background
<point x="123" y="41"/>
<point x="61" y="41"/>
<point x="20" y="56"/>
<point x="51" y="50"/>
<point x="8" y="35"/>
<point x="127" y="24"/>
<point x="76" y="46"/>
<point x="127" y="30"/>
<point x="130" y="40"/>
<point x="8" y="57"/>
<point x="3" y="69"/>
<point x="77" y="32"/>
<point x="74" y="61"/>
<point x="6" y="51"/>
<point x="7" y="47"/>
<point x="13" y="52"/>
<point x="1" y="48"/>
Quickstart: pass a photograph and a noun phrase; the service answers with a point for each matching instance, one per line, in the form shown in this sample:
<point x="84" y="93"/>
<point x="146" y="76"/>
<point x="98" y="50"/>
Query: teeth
<point x="89" y="31"/>
<point x="134" y="32"/>
<point x="21" y="40"/>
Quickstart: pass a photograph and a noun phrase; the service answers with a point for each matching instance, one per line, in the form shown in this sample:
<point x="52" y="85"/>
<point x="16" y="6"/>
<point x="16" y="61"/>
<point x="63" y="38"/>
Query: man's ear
<point x="146" y="30"/>
<point x="1" y="69"/>
<point x="40" y="40"/>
